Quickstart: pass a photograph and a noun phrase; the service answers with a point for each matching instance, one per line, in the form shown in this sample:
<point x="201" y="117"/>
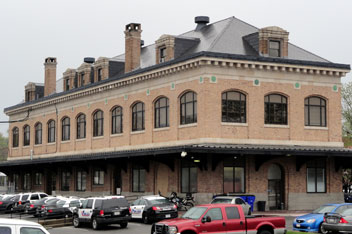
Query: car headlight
<point x="310" y="220"/>
<point x="172" y="230"/>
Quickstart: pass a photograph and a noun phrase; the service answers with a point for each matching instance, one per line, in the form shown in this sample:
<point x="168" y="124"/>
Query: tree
<point x="346" y="94"/>
<point x="3" y="147"/>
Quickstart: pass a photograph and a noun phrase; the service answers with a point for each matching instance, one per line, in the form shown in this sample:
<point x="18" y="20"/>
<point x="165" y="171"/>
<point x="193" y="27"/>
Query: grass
<point x="293" y="232"/>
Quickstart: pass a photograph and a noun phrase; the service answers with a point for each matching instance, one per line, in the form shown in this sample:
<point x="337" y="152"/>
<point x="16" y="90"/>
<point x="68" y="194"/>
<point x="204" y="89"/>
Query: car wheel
<point x="152" y="231"/>
<point x="76" y="222"/>
<point x="123" y="225"/>
<point x="95" y="224"/>
<point x="145" y="218"/>
<point x="322" y="230"/>
<point x="264" y="232"/>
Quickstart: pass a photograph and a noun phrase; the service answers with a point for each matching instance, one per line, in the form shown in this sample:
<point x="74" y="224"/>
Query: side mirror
<point x="206" y="219"/>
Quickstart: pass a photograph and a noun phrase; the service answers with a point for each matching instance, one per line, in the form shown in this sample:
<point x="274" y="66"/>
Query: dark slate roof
<point x="243" y="149"/>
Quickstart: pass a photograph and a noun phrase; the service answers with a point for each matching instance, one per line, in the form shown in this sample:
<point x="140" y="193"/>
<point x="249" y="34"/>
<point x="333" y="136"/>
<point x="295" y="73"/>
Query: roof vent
<point x="89" y="60"/>
<point x="201" y="22"/>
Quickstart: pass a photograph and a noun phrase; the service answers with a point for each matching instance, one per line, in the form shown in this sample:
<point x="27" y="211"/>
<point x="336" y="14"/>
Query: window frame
<point x="322" y="110"/>
<point x="65" y="180"/>
<point x="38" y="133"/>
<point x="188" y="165"/>
<point x="116" y="117"/>
<point x="83" y="180"/>
<point x="135" y="117"/>
<point x="162" y="54"/>
<point x="15" y="137"/>
<point x="183" y="105"/>
<point x="141" y="180"/>
<point x="157" y="113"/>
<point x="99" y="74"/>
<point x="81" y="79"/>
<point x="268" y="106"/>
<point x="79" y="123"/>
<point x="65" y="129"/>
<point x="98" y="120"/>
<point x="315" y="165"/>
<point x="67" y="84"/>
<point x="38" y="180"/>
<point x="27" y="181"/>
<point x="26" y="135"/>
<point x="270" y="49"/>
<point x="243" y="119"/>
<point x="100" y="175"/>
<point x="235" y="163"/>
<point x="51" y="131"/>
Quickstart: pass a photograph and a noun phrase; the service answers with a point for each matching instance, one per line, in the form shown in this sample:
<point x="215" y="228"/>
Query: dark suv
<point x="101" y="211"/>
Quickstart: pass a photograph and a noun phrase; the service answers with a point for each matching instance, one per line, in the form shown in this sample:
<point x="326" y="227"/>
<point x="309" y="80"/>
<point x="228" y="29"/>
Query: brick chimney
<point x="132" y="46"/>
<point x="50" y="76"/>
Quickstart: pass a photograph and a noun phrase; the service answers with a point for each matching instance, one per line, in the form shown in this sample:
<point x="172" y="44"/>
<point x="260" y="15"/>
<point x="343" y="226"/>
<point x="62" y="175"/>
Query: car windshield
<point x="221" y="200"/>
<point x="159" y="201"/>
<point x="115" y="202"/>
<point x="194" y="213"/>
<point x="40" y="202"/>
<point x="324" y="209"/>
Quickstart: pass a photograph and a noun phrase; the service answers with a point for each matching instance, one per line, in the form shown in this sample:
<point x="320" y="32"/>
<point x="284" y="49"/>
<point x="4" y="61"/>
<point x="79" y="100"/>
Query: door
<point x="86" y="212"/>
<point x="117" y="182"/>
<point x="217" y="224"/>
<point x="234" y="224"/>
<point x="137" y="208"/>
<point x="49" y="182"/>
<point x="275" y="187"/>
<point x="162" y="179"/>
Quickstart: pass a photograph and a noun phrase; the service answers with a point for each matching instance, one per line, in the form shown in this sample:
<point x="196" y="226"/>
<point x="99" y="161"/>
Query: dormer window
<point x="274" y="48"/>
<point x="162" y="55"/>
<point x="82" y="79"/>
<point x="100" y="74"/>
<point x="67" y="84"/>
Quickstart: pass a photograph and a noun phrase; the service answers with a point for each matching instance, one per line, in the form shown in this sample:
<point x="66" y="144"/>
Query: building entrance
<point x="276" y="187"/>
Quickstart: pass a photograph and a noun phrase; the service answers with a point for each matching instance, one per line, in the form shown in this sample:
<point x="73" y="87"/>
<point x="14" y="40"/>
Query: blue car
<point x="312" y="222"/>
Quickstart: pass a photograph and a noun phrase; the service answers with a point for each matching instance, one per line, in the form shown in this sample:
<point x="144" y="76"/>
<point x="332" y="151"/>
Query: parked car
<point x="40" y="210"/>
<point x="20" y="226"/>
<point x="9" y="203"/>
<point x="312" y="222"/>
<point x="233" y="200"/>
<point x="220" y="218"/>
<point x="101" y="211"/>
<point x="334" y="222"/>
<point x="32" y="208"/>
<point x="28" y="198"/>
<point x="63" y="208"/>
<point x="153" y="208"/>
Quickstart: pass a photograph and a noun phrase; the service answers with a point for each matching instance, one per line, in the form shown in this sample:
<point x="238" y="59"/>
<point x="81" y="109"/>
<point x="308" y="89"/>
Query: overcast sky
<point x="70" y="30"/>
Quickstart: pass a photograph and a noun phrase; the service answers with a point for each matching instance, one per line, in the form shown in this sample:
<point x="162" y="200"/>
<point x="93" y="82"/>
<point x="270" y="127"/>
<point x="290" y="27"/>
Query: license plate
<point x="330" y="220"/>
<point x="117" y="213"/>
<point x="168" y="216"/>
<point x="298" y="225"/>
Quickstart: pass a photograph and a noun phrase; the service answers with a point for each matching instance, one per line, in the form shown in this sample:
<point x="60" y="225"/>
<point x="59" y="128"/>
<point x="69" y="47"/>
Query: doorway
<point x="117" y="186"/>
<point x="162" y="179"/>
<point x="276" y="187"/>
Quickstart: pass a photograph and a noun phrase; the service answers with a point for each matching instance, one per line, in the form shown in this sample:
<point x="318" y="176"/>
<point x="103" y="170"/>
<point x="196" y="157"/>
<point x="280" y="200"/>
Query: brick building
<point x="225" y="107"/>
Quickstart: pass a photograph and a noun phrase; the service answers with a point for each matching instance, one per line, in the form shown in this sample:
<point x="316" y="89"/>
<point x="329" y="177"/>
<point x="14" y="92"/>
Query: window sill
<point x="316" y="128"/>
<point x="65" y="142"/>
<point x="234" y="124"/>
<point x="188" y="125"/>
<point x="98" y="137"/>
<point x="138" y="132"/>
<point x="98" y="185"/>
<point x="38" y="145"/>
<point x="116" y="135"/>
<point x="51" y="143"/>
<point x="161" y="129"/>
<point x="14" y="148"/>
<point x="81" y="139"/>
<point x="276" y="126"/>
<point x="26" y="146"/>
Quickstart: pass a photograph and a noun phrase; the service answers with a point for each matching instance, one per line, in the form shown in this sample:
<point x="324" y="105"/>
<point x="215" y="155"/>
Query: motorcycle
<point x="185" y="203"/>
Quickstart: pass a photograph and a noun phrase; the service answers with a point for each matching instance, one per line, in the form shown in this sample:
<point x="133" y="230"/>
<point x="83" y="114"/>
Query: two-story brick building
<point x="226" y="107"/>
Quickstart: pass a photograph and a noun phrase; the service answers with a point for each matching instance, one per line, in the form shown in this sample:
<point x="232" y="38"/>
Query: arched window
<point x="315" y="112"/>
<point x="15" y="137"/>
<point x="51" y="131"/>
<point x="26" y="135"/>
<point x="65" y="129"/>
<point x="38" y="133"/>
<point x="233" y="107"/>
<point x="188" y="108"/>
<point x="81" y="126"/>
<point x="161" y="110"/>
<point x="98" y="123"/>
<point x="275" y="109"/>
<point x="116" y="120"/>
<point x="138" y="117"/>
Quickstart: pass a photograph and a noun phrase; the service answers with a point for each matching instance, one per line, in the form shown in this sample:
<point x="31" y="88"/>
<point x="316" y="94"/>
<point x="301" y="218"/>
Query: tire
<point x="95" y="224"/>
<point x="188" y="205"/>
<point x="249" y="211"/>
<point x="76" y="222"/>
<point x="152" y="230"/>
<point x="123" y="225"/>
<point x="264" y="232"/>
<point x="145" y="218"/>
<point x="322" y="230"/>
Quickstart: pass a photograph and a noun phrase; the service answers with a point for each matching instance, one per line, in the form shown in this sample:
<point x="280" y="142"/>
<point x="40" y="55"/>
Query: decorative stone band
<point x="179" y="67"/>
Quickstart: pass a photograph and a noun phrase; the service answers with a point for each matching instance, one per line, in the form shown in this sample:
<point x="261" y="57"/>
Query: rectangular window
<point x="27" y="181"/>
<point x="234" y="175"/>
<point x="67" y="84"/>
<point x="38" y="178"/>
<point x="98" y="177"/>
<point x="316" y="176"/>
<point x="81" y="183"/>
<point x="162" y="55"/>
<point x="65" y="181"/>
<point x="138" y="179"/>
<point x="274" y="49"/>
<point x="100" y="74"/>
<point x="188" y="177"/>
<point x="232" y="213"/>
<point x="82" y="79"/>
<point x="16" y="181"/>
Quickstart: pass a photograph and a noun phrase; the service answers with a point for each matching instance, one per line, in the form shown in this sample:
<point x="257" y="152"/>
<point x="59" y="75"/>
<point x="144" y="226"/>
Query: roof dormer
<point x="273" y="42"/>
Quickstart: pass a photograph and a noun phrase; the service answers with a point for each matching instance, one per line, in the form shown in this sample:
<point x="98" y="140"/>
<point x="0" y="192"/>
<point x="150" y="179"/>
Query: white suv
<point x="18" y="226"/>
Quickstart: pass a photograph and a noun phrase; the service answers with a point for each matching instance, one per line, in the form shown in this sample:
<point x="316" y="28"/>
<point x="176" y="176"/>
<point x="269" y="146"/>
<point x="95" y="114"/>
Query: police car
<point x="153" y="208"/>
<point x="101" y="211"/>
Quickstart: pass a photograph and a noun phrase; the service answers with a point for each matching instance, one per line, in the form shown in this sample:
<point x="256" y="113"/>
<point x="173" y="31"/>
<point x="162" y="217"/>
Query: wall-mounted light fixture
<point x="183" y="154"/>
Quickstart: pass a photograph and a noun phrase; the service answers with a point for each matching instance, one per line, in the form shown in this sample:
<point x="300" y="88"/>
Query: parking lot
<point x="133" y="227"/>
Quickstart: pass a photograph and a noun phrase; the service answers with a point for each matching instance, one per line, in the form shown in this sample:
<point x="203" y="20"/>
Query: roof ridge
<point x="220" y="34"/>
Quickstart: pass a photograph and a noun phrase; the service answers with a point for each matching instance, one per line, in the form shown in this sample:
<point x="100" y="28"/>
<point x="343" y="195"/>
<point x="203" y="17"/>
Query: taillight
<point x="342" y="220"/>
<point x="19" y="202"/>
<point x="43" y="207"/>
<point x="175" y="207"/>
<point x="129" y="209"/>
<point x="101" y="213"/>
<point x="31" y="206"/>
<point x="0" y="202"/>
<point x="50" y="211"/>
<point x="156" y="208"/>
<point x="324" y="220"/>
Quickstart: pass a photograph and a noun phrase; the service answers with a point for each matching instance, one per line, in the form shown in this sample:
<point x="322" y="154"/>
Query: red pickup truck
<point x="220" y="218"/>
